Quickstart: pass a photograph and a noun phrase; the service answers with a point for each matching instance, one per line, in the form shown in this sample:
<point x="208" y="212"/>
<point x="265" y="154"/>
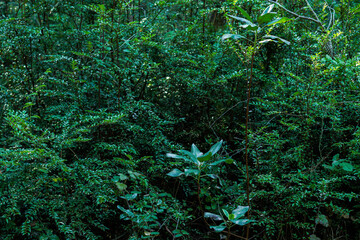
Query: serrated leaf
<point x="213" y="216"/>
<point x="240" y="211"/>
<point x="175" y="173"/>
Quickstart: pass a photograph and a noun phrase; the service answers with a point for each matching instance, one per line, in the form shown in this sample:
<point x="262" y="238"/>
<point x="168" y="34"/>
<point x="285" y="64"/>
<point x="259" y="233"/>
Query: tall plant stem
<point x="247" y="138"/>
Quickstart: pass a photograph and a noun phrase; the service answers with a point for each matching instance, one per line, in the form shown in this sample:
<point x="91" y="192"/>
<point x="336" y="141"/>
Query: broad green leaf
<point x="266" y="18"/>
<point x="244" y="13"/>
<point x="216" y="147"/>
<point x="279" y="20"/>
<point x="244" y="20"/>
<point x="268" y="9"/>
<point x="249" y="27"/>
<point x="242" y="222"/>
<point x="190" y="157"/>
<point x="191" y="171"/>
<point x="240" y="211"/>
<point x="195" y="151"/>
<point x="213" y="216"/>
<point x="175" y="173"/>
<point x="233" y="36"/>
<point x="228" y="161"/>
<point x="347" y="166"/>
<point x="219" y="228"/>
<point x="277" y="38"/>
<point x="206" y="157"/>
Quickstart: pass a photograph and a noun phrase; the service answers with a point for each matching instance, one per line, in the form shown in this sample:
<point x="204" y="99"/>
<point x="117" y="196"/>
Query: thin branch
<point x="297" y="15"/>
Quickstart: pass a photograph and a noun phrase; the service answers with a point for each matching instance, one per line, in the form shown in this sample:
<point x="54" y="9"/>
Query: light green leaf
<point x="216" y="147"/>
<point x="195" y="151"/>
<point x="347" y="166"/>
<point x="233" y="36"/>
<point x="191" y="171"/>
<point x="240" y="211"/>
<point x="175" y="173"/>
<point x="266" y="18"/>
<point x="277" y="38"/>
<point x="219" y="228"/>
<point x="268" y="9"/>
<point x="279" y="20"/>
<point x="226" y="213"/>
<point x="213" y="216"/>
<point x="242" y="222"/>
<point x="243" y="20"/>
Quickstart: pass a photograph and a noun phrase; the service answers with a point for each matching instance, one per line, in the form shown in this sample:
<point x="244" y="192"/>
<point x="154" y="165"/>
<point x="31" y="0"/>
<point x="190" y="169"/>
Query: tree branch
<point x="317" y="21"/>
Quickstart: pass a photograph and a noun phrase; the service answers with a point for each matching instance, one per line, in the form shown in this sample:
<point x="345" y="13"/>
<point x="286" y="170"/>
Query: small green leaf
<point x="121" y="186"/>
<point x="226" y="213"/>
<point x="268" y="9"/>
<point x="321" y="219"/>
<point x="175" y="173"/>
<point x="213" y="176"/>
<point x="205" y="157"/>
<point x="242" y="222"/>
<point x="219" y="228"/>
<point x="213" y="216"/>
<point x="231" y="216"/>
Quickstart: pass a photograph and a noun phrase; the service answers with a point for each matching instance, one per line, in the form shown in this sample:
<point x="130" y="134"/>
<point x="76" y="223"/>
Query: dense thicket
<point x="93" y="94"/>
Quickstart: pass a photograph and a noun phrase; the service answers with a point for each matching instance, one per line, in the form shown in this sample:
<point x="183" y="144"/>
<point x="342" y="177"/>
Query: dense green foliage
<point x="97" y="96"/>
